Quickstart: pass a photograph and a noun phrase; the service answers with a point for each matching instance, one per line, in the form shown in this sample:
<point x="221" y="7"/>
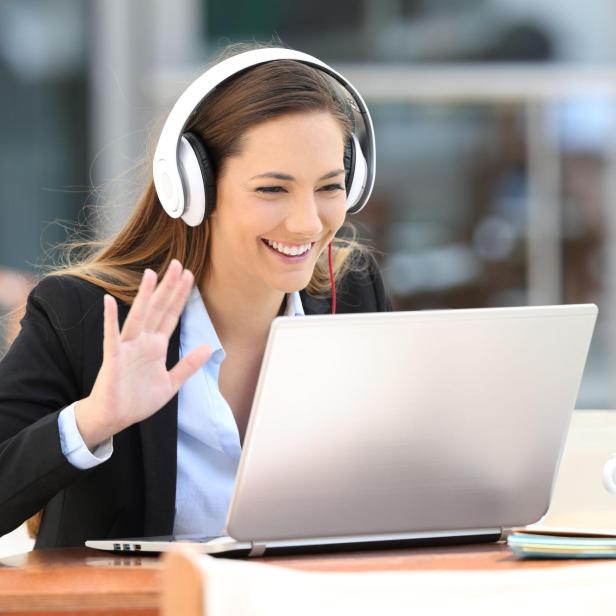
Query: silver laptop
<point x="403" y="428"/>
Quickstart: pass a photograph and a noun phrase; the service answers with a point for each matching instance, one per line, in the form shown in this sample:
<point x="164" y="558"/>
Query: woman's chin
<point x="290" y="283"/>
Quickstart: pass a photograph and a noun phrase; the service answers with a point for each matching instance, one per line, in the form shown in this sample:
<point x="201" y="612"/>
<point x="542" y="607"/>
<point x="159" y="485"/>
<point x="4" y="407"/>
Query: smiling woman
<point x="251" y="184"/>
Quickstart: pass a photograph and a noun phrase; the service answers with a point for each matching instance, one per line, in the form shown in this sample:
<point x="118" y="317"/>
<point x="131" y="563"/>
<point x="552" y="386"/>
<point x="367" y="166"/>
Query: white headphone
<point x="183" y="174"/>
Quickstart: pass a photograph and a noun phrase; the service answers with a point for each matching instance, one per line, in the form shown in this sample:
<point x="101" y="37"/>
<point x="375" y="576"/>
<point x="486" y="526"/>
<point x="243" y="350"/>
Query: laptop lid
<point x="388" y="423"/>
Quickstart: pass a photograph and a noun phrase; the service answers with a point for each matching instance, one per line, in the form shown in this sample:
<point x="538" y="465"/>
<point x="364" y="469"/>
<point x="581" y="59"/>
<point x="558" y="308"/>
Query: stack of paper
<point x="557" y="542"/>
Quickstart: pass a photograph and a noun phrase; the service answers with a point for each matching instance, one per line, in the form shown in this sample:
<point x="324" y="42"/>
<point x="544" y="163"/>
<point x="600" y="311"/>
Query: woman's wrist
<point x="91" y="430"/>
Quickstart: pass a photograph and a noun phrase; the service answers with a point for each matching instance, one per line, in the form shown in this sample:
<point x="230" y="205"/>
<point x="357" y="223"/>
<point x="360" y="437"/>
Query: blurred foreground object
<point x="203" y="585"/>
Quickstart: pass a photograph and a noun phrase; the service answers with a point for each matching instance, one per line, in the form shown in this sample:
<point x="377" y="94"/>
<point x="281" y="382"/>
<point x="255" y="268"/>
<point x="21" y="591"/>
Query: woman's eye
<point x="270" y="189"/>
<point x="332" y="187"/>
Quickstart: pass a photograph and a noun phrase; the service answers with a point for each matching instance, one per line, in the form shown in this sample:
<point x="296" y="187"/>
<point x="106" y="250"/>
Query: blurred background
<point x="495" y="124"/>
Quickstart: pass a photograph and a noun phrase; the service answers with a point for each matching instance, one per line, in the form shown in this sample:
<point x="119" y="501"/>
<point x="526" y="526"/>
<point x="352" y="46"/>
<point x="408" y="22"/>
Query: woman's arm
<point x="41" y="374"/>
<point x="38" y="378"/>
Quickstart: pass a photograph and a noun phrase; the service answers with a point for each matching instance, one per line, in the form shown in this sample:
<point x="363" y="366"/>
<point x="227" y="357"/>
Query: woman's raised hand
<point x="133" y="382"/>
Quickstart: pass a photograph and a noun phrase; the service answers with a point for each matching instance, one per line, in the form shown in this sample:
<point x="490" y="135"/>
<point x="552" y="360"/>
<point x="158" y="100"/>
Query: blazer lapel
<point x="159" y="450"/>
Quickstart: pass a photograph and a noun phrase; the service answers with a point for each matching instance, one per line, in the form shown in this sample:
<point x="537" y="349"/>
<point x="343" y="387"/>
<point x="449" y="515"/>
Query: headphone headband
<point x="167" y="177"/>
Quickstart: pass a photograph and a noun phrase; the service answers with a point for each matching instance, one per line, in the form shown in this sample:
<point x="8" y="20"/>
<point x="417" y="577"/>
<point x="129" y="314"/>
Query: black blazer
<point x="53" y="362"/>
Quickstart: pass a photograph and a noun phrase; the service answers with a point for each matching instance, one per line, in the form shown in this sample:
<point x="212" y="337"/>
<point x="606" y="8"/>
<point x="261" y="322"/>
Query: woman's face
<point x="280" y="202"/>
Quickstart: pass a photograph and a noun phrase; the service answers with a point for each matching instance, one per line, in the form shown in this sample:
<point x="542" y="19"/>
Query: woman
<point x="91" y="429"/>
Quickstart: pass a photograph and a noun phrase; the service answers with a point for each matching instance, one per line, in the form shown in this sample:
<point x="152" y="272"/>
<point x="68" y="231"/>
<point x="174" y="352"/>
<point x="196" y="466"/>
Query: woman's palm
<point x="133" y="381"/>
<point x="137" y="382"/>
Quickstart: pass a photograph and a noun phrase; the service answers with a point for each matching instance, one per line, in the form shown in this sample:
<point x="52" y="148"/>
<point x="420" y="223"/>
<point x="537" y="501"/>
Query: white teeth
<point x="289" y="250"/>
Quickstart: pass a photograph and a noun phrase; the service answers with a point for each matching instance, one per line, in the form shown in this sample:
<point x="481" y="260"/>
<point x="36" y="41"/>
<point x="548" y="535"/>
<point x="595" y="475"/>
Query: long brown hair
<point x="151" y="238"/>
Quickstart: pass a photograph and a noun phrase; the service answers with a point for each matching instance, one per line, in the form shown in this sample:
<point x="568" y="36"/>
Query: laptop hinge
<point x="257" y="549"/>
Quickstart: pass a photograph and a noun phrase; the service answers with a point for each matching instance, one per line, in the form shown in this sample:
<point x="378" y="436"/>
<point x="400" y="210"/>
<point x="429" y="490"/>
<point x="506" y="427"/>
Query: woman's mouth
<point x="289" y="253"/>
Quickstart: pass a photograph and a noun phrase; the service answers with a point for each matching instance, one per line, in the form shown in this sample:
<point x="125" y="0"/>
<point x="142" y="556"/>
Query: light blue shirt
<point x="208" y="439"/>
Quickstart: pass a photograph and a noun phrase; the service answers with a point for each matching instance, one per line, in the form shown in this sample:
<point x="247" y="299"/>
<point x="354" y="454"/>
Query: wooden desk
<point x="89" y="582"/>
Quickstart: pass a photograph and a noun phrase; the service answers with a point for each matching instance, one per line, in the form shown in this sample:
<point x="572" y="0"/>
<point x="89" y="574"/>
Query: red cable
<point x="331" y="278"/>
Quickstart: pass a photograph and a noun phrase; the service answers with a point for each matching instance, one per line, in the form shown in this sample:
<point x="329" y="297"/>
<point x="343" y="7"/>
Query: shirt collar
<point x="294" y="306"/>
<point x="197" y="326"/>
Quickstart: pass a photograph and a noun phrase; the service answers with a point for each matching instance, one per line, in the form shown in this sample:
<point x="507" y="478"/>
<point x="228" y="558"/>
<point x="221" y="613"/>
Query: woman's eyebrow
<point x="283" y="176"/>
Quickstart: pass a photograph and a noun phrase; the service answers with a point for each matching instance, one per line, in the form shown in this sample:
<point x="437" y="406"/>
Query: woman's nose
<point x="304" y="218"/>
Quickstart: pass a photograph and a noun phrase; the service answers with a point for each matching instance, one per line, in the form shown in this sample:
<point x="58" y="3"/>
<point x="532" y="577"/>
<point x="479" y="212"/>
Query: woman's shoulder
<point x="364" y="268"/>
<point x="64" y="299"/>
<point x="359" y="289"/>
<point x="53" y="285"/>
<point x="362" y="288"/>
<point x="67" y="288"/>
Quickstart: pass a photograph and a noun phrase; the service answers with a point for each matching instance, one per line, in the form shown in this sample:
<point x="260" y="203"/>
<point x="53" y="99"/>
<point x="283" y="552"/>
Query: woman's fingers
<point x="133" y="323"/>
<point x="188" y="365"/>
<point x="111" y="329"/>
<point x="177" y="303"/>
<point x="161" y="298"/>
<point x="158" y="308"/>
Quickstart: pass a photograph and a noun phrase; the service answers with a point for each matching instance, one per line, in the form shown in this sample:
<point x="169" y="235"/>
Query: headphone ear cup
<point x="349" y="164"/>
<point x="198" y="176"/>
<point x="192" y="184"/>
<point x="357" y="174"/>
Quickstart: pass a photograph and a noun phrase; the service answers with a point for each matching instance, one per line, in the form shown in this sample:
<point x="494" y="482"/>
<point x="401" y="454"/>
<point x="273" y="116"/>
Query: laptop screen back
<point x="384" y="423"/>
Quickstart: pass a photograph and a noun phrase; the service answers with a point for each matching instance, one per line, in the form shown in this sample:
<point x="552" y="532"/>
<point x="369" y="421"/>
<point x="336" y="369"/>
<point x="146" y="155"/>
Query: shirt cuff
<point x="73" y="447"/>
